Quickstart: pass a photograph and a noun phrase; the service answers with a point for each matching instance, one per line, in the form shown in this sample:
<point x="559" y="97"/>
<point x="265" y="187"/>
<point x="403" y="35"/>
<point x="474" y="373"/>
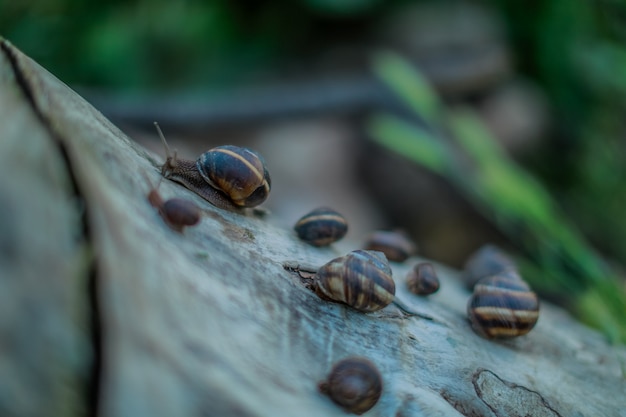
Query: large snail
<point x="321" y="227"/>
<point x="354" y="384"/>
<point x="503" y="306"/>
<point x="361" y="279"/>
<point x="229" y="177"/>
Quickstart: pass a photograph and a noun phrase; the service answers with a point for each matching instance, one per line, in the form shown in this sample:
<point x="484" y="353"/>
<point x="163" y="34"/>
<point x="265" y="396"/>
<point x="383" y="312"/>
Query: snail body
<point x="355" y="384"/>
<point x="321" y="227"/>
<point x="229" y="177"/>
<point x="361" y="279"/>
<point x="422" y="279"/>
<point x="396" y="246"/>
<point x="503" y="306"/>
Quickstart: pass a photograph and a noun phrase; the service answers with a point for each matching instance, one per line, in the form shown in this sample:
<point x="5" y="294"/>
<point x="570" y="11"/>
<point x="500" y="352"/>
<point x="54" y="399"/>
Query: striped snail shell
<point x="238" y="172"/>
<point x="396" y="245"/>
<point x="422" y="279"/>
<point x="321" y="227"/>
<point x="354" y="384"/>
<point x="229" y="177"/>
<point x="361" y="279"/>
<point x="503" y="306"/>
<point x="488" y="260"/>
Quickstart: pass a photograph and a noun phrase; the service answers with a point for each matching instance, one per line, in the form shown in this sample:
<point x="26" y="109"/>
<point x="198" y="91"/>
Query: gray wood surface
<point x="105" y="309"/>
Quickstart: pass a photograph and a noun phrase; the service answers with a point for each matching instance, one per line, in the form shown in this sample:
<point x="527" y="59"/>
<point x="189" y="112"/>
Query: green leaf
<point x="409" y="85"/>
<point x="409" y="140"/>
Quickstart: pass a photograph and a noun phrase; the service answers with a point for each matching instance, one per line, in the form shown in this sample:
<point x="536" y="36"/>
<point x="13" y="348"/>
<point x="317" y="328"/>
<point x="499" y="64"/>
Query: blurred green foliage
<point x="577" y="51"/>
<point x="140" y="44"/>
<point x="455" y="144"/>
<point x="145" y="44"/>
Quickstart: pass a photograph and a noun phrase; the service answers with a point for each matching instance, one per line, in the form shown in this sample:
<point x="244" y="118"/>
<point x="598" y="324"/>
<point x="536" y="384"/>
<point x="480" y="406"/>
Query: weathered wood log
<point x="107" y="311"/>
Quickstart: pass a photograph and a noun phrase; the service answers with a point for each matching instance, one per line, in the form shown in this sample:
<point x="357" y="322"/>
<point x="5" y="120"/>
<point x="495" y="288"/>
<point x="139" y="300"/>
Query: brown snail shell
<point x="238" y="172"/>
<point x="396" y="245"/>
<point x="422" y="279"/>
<point x="488" y="260"/>
<point x="355" y="384"/>
<point x="177" y="213"/>
<point x="229" y="177"/>
<point x="503" y="306"/>
<point x="361" y="279"/>
<point x="321" y="227"/>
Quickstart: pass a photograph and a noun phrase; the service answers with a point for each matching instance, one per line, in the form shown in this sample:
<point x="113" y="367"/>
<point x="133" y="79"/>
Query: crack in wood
<point x="506" y="398"/>
<point x="95" y="320"/>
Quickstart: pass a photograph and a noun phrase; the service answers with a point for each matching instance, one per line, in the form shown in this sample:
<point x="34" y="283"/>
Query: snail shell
<point x="354" y="384"/>
<point x="321" y="227"/>
<point x="229" y="177"/>
<point x="361" y="279"/>
<point x="422" y="279"/>
<point x="238" y="172"/>
<point x="396" y="246"/>
<point x="177" y="213"/>
<point x="503" y="306"/>
<point x="486" y="261"/>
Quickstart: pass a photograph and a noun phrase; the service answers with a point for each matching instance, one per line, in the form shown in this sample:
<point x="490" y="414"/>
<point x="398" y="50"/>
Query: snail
<point x="321" y="227"/>
<point x="486" y="261"/>
<point x="422" y="279"/>
<point x="354" y="384"/>
<point x="229" y="177"/>
<point x="503" y="306"/>
<point x="396" y="245"/>
<point x="362" y="279"/>
<point x="177" y="213"/>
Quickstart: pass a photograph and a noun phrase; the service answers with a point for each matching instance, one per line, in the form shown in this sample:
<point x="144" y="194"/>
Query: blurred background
<point x="461" y="122"/>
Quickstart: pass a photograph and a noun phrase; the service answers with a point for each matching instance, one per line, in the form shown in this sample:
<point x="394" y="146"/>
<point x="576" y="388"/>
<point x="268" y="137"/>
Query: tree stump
<point x="107" y="311"/>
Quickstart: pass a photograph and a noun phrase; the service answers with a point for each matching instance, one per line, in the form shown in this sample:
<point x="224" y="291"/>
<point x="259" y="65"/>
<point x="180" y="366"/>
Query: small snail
<point x="354" y="384"/>
<point x="503" y="306"/>
<point x="422" y="279"/>
<point x="177" y="213"/>
<point x="396" y="245"/>
<point x="361" y="279"/>
<point x="486" y="261"/>
<point x="229" y="177"/>
<point x="321" y="227"/>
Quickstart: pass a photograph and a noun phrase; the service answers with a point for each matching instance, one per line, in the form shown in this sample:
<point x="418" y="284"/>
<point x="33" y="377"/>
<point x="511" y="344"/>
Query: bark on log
<point x="106" y="311"/>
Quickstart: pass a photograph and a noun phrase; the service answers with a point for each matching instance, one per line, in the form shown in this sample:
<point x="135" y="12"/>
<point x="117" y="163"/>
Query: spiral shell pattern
<point x="361" y="279"/>
<point x="503" y="306"/>
<point x="238" y="172"/>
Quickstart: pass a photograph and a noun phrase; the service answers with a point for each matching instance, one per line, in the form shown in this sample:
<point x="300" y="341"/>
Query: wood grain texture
<point x="45" y="352"/>
<point x="208" y="322"/>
